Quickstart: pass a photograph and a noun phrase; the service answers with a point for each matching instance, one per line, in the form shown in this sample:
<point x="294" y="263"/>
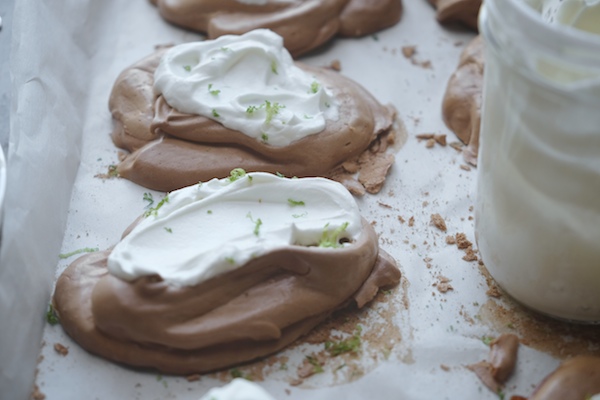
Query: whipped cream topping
<point x="238" y="389"/>
<point x="205" y="230"/>
<point x="248" y="83"/>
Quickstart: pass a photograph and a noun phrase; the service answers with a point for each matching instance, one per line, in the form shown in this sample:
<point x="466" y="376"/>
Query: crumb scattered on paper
<point x="193" y="378"/>
<point x="438" y="222"/>
<point x="60" y="349"/>
<point x="410" y="53"/>
<point x="443" y="284"/>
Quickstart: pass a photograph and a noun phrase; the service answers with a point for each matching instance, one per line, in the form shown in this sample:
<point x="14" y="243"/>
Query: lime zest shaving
<point x="314" y="87"/>
<point x="51" y="316"/>
<point x="331" y="238"/>
<point x="62" y="256"/>
<point x="272" y="109"/>
<point x="295" y="203"/>
<point x="350" y="345"/>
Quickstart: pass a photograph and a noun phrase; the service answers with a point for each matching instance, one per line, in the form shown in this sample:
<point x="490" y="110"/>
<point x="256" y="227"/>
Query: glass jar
<point x="538" y="200"/>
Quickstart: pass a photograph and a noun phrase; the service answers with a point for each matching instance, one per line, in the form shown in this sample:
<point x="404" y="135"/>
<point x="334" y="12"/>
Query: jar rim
<point x="522" y="14"/>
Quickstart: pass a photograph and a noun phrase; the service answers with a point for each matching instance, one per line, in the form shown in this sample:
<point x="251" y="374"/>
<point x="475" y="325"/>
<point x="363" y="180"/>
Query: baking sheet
<point x="416" y="339"/>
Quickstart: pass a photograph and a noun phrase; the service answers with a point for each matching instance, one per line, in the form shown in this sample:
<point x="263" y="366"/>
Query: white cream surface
<point x="238" y="389"/>
<point x="248" y="83"/>
<point x="218" y="226"/>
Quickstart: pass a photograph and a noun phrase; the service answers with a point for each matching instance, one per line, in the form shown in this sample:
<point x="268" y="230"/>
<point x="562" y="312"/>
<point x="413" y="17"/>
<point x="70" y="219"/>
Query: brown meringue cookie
<point x="462" y="11"/>
<point x="170" y="150"/>
<point x="461" y="107"/>
<point x="575" y="379"/>
<point x="229" y="319"/>
<point x="304" y="24"/>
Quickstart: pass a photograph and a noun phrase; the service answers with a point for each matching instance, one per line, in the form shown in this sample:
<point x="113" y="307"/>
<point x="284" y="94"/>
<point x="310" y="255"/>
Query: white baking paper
<point x="66" y="56"/>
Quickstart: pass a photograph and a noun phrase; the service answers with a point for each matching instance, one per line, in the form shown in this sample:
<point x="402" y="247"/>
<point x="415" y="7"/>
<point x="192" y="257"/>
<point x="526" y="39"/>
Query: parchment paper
<point x="66" y="56"/>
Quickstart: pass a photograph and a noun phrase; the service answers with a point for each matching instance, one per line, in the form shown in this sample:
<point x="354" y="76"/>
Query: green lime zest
<point x="148" y="197"/>
<point x="154" y="210"/>
<point x="112" y="171"/>
<point x="331" y="238"/>
<point x="350" y="345"/>
<point x="257" y="223"/>
<point x="212" y="91"/>
<point x="272" y="109"/>
<point x="314" y="87"/>
<point x="487" y="340"/>
<point x="295" y="203"/>
<point x="51" y="316"/>
<point x="236" y="174"/>
<point x="62" y="256"/>
<point x="317" y="367"/>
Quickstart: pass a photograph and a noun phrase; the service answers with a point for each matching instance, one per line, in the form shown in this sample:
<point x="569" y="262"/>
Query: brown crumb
<point x="470" y="255"/>
<point x="444" y="367"/>
<point x="336" y="65"/>
<point x="409" y="51"/>
<point x="430" y="143"/>
<point x="288" y="391"/>
<point x="493" y="291"/>
<point x="384" y="205"/>
<point x="296" y="382"/>
<point x="36" y="394"/>
<point x="465" y="167"/>
<point x="450" y="239"/>
<point x="60" y="349"/>
<point x="411" y="221"/>
<point x="458" y="146"/>
<point x="425" y="64"/>
<point x="401" y="219"/>
<point x="193" y="378"/>
<point x="462" y="242"/>
<point x="438" y="222"/>
<point x="425" y="136"/>
<point x="443" y="284"/>
<point x="441" y="139"/>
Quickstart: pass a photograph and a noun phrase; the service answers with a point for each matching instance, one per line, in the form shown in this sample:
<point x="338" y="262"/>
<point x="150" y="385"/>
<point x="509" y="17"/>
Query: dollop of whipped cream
<point x="238" y="389"/>
<point x="248" y="83"/>
<point x="204" y="230"/>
